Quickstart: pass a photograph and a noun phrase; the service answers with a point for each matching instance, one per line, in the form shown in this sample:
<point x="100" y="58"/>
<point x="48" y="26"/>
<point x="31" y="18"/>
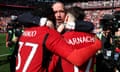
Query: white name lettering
<point x="29" y="33"/>
<point x="79" y="40"/>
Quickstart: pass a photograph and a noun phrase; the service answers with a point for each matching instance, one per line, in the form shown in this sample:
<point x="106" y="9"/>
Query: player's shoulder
<point x="74" y="33"/>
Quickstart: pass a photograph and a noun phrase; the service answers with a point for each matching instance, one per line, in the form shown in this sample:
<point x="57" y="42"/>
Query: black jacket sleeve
<point x="83" y="26"/>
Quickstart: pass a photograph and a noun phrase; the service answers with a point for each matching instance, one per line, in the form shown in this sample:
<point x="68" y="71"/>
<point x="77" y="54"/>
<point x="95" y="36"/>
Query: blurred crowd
<point x="76" y="24"/>
<point x="91" y="15"/>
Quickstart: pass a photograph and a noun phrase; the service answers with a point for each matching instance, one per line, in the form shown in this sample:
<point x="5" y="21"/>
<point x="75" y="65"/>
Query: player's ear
<point x="69" y="18"/>
<point x="69" y="21"/>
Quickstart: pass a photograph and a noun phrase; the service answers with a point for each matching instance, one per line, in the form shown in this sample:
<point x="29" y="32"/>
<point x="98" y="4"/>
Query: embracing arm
<point x="78" y="57"/>
<point x="59" y="46"/>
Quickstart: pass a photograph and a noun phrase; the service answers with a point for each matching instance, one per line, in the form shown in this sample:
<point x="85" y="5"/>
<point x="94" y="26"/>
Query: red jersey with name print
<point x="79" y="40"/>
<point x="38" y="44"/>
<point x="31" y="49"/>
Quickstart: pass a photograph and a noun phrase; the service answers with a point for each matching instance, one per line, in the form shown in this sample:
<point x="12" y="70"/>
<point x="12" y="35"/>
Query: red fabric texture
<point x="79" y="40"/>
<point x="29" y="57"/>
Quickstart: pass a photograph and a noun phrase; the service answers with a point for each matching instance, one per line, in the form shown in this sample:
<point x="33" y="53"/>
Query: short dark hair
<point x="45" y="11"/>
<point x="77" y="12"/>
<point x="62" y="3"/>
<point x="32" y="18"/>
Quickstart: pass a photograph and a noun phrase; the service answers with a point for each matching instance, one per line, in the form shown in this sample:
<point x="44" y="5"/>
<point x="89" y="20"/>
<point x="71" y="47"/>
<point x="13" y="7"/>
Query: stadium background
<point x="94" y="10"/>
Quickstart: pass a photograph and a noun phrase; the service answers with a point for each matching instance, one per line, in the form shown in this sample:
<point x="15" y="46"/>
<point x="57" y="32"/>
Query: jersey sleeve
<point x="80" y="56"/>
<point x="58" y="45"/>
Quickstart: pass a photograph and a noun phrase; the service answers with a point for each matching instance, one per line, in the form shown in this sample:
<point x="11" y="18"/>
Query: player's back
<point x="30" y="54"/>
<point x="78" y="40"/>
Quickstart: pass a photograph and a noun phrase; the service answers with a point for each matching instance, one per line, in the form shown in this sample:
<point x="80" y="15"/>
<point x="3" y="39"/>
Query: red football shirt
<point x="30" y="48"/>
<point x="79" y="40"/>
<point x="30" y="53"/>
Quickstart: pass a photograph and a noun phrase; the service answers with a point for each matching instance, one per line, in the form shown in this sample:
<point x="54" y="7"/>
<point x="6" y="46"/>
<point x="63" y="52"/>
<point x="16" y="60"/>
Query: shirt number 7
<point x="31" y="55"/>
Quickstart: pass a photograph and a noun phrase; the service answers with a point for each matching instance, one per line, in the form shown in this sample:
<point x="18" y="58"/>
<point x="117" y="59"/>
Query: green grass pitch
<point x="4" y="63"/>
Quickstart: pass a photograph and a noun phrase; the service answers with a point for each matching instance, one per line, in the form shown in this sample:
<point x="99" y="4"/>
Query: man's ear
<point x="69" y="18"/>
<point x="69" y="21"/>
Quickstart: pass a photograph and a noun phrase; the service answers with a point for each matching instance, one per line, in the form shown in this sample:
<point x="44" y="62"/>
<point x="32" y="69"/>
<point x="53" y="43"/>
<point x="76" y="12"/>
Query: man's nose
<point x="58" y="13"/>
